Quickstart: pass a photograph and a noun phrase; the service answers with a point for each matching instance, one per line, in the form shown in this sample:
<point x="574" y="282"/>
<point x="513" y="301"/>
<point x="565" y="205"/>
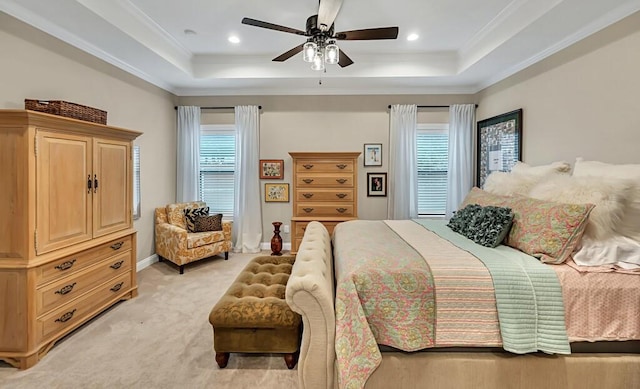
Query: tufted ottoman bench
<point x="253" y="316"/>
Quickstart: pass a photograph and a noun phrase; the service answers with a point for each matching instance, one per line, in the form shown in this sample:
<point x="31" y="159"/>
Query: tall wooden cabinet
<point x="67" y="244"/>
<point x="325" y="189"/>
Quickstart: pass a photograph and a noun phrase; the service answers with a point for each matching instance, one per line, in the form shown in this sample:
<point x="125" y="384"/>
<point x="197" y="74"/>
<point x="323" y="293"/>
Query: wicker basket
<point x="70" y="110"/>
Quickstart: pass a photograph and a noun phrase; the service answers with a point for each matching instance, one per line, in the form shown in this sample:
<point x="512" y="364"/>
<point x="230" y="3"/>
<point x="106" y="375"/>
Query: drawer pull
<point x="341" y="195"/>
<point x="307" y="166"/>
<point x="307" y="180"/>
<point x="117" y="245"/>
<point x="66" y="317"/>
<point x="307" y="210"/>
<point x="117" y="265"/>
<point x="341" y="180"/>
<point x="307" y="195"/>
<point x="341" y="210"/>
<point x="65" y="289"/>
<point x="66" y="265"/>
<point x="341" y="166"/>
<point x="117" y="287"/>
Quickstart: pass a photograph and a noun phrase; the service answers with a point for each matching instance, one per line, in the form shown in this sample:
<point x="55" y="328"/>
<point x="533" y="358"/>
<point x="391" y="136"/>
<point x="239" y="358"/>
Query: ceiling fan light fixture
<point x="318" y="63"/>
<point x="309" y="51"/>
<point x="332" y="53"/>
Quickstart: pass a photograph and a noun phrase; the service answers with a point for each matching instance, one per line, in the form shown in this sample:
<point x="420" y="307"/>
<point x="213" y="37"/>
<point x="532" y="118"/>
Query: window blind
<point x="136" y="182"/>
<point x="432" y="151"/>
<point x="217" y="168"/>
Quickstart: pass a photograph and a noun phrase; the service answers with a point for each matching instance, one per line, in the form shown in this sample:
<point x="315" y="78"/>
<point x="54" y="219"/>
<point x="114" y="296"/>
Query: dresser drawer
<point x="324" y="180"/>
<point x="324" y="166"/>
<point x="300" y="227"/>
<point x="320" y="209"/>
<point x="335" y="195"/>
<point x="76" y="262"/>
<point x="77" y="311"/>
<point x="59" y="292"/>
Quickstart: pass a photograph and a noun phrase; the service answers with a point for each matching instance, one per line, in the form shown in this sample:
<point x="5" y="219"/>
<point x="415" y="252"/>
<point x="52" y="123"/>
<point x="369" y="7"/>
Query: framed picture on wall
<point x="276" y="193"/>
<point x="272" y="169"/>
<point x="372" y="154"/>
<point x="377" y="184"/>
<point x="499" y="144"/>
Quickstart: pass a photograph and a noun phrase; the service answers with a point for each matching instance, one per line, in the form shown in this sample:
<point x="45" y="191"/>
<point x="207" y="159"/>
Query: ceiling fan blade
<point x="327" y="12"/>
<point x="368" y="34"/>
<point x="344" y="60"/>
<point x="285" y="56"/>
<point x="271" y="26"/>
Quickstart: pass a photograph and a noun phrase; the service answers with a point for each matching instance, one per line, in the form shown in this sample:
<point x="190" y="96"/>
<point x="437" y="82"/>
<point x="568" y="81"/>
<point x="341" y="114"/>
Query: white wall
<point x="36" y="66"/>
<point x="580" y="102"/>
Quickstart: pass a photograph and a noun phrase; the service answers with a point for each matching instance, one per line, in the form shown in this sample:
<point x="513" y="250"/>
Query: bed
<point x="424" y="304"/>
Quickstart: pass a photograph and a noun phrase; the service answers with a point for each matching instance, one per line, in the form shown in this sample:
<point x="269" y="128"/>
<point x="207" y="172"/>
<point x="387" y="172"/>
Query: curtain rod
<point x="431" y="106"/>
<point x="259" y="107"/>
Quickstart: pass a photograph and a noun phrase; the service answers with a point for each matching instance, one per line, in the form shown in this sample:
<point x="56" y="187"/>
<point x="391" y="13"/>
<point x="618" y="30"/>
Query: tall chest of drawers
<point x="325" y="189"/>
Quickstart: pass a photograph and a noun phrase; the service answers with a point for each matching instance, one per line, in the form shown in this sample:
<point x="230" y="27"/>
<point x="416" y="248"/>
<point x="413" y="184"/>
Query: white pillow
<point x="610" y="197"/>
<point x="630" y="223"/>
<point x="509" y="184"/>
<point x="541" y="170"/>
<point x="617" y="250"/>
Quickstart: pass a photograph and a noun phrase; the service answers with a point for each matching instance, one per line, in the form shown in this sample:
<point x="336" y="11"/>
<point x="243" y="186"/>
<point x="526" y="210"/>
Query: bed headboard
<point x="310" y="293"/>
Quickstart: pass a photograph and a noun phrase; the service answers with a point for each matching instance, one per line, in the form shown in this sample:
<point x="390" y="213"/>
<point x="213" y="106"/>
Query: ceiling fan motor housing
<point x="314" y="30"/>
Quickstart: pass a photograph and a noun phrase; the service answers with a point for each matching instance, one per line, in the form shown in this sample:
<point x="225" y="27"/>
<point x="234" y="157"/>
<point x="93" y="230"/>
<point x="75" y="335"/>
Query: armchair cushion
<point x="208" y="223"/>
<point x="198" y="239"/>
<point x="175" y="212"/>
<point x="190" y="215"/>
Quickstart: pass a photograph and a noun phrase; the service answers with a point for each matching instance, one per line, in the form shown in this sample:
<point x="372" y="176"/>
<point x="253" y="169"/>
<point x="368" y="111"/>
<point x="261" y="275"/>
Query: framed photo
<point x="276" y="193"/>
<point x="272" y="169"/>
<point x="377" y="184"/>
<point x="372" y="154"/>
<point x="499" y="144"/>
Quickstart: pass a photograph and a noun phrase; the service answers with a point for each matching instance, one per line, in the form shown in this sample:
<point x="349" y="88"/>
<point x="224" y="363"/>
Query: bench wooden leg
<point x="222" y="359"/>
<point x="291" y="360"/>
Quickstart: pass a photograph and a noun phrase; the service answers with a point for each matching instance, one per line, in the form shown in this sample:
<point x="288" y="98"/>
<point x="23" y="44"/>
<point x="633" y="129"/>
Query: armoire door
<point x="112" y="193"/>
<point x="63" y="210"/>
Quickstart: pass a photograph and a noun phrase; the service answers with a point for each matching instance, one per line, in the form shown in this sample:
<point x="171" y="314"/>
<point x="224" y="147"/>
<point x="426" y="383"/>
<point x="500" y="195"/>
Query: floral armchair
<point x="175" y="243"/>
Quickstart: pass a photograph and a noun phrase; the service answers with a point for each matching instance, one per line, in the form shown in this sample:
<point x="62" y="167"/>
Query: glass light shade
<point x="309" y="51"/>
<point x="318" y="63"/>
<point x="332" y="53"/>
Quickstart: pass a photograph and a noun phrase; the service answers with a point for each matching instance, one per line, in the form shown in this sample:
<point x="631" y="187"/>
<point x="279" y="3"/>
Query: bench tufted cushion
<point x="256" y="297"/>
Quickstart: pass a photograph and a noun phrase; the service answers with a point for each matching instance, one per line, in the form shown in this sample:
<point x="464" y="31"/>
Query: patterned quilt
<point x="388" y="290"/>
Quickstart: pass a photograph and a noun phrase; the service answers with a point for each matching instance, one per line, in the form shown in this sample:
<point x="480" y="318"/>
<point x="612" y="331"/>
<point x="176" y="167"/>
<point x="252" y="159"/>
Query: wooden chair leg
<point x="160" y="259"/>
<point x="222" y="359"/>
<point x="226" y="255"/>
<point x="181" y="269"/>
<point x="291" y="360"/>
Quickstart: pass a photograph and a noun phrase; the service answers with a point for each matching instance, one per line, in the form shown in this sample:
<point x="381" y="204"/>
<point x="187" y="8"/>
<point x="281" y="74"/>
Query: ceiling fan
<point x="321" y="45"/>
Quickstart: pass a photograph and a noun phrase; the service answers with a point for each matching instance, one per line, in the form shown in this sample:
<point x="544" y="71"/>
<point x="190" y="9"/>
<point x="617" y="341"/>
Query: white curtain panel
<point x="462" y="119"/>
<point x="188" y="154"/>
<point x="402" y="179"/>
<point x="247" y="214"/>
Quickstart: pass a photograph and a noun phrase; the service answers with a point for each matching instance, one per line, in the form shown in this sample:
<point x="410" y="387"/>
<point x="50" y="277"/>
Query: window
<point x="217" y="168"/>
<point x="136" y="182"/>
<point x="432" y="151"/>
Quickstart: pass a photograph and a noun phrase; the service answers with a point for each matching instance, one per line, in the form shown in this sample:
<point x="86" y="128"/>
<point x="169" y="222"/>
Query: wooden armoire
<point x="325" y="189"/>
<point x="67" y="243"/>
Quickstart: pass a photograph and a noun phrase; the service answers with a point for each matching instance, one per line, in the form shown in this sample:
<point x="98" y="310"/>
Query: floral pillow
<point x="191" y="214"/>
<point x="462" y="218"/>
<point x="544" y="229"/>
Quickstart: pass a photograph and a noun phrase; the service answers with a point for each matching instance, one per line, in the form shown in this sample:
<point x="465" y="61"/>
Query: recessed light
<point x="234" y="39"/>
<point x="189" y="32"/>
<point x="412" y="37"/>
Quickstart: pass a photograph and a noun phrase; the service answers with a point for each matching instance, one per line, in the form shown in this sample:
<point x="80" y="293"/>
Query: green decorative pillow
<point x="208" y="223"/>
<point x="462" y="218"/>
<point x="191" y="214"/>
<point x="544" y="229"/>
<point x="490" y="225"/>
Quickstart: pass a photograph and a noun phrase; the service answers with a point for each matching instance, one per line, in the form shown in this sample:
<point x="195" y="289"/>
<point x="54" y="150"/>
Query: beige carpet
<point x="161" y="339"/>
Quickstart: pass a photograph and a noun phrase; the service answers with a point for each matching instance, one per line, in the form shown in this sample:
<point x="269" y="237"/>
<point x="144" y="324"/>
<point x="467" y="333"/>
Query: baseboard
<point x="146" y="262"/>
